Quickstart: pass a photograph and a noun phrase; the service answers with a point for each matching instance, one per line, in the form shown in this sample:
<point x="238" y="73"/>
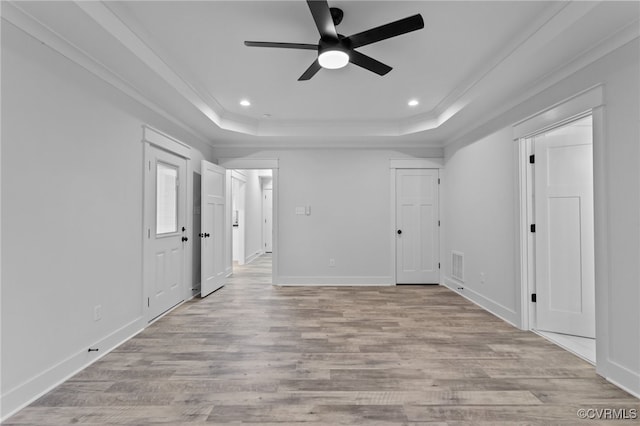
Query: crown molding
<point x="15" y="15"/>
<point x="621" y="38"/>
<point x="501" y="56"/>
<point x="111" y="23"/>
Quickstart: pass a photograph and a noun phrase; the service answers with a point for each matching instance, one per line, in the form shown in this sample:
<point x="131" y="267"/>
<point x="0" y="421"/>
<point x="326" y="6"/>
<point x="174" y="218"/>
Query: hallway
<point x="252" y="352"/>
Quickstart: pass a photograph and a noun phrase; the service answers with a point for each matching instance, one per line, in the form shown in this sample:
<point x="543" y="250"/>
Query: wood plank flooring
<point x="254" y="353"/>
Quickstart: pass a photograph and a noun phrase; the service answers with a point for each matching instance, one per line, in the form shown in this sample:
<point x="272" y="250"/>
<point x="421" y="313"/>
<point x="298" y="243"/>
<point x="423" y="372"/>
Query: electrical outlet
<point x="482" y="278"/>
<point x="97" y="313"/>
<point x="332" y="262"/>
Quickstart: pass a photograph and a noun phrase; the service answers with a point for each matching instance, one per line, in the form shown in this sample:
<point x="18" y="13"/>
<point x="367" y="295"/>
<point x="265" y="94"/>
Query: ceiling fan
<point x="335" y="50"/>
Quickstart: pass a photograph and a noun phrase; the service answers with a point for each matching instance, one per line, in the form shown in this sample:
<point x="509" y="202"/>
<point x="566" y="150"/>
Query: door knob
<point x="184" y="229"/>
<point x="185" y="239"/>
<point x="206" y="235"/>
<point x="399" y="231"/>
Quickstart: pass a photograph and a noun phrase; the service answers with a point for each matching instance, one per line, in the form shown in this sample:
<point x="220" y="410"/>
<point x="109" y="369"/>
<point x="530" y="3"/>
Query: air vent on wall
<point x="457" y="265"/>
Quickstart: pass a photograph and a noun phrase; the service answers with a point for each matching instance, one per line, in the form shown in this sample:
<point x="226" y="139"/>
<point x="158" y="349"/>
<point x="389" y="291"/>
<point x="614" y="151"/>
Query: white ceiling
<point x="187" y="60"/>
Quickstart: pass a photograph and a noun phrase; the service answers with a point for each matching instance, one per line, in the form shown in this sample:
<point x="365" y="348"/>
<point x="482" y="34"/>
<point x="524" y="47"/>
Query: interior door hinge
<point x="148" y="302"/>
<point x="533" y="297"/>
<point x="438" y="265"/>
<point x="149" y="165"/>
<point x="532" y="159"/>
<point x="148" y="232"/>
<point x="533" y="227"/>
<point x="438" y="181"/>
<point x="438" y="223"/>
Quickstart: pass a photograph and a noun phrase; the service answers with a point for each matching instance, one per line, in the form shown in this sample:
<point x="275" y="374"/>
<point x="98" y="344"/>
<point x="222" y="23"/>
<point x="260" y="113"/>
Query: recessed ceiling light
<point x="245" y="103"/>
<point x="413" y="102"/>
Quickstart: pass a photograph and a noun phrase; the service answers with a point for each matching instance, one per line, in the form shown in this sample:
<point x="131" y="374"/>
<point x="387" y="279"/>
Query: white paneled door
<point x="165" y="207"/>
<point x="565" y="278"/>
<point x="213" y="228"/>
<point x="417" y="236"/>
<point x="267" y="220"/>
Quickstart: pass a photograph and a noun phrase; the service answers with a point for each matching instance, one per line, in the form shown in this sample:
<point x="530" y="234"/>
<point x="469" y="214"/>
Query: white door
<point x="565" y="281"/>
<point x="267" y="222"/>
<point x="212" y="228"/>
<point x="417" y="226"/>
<point x="165" y="207"/>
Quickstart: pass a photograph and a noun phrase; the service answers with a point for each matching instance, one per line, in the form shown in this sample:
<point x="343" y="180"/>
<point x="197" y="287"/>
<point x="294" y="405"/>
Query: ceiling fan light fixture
<point x="333" y="59"/>
<point x="413" y="102"/>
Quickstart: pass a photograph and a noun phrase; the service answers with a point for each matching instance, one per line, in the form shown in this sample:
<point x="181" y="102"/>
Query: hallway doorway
<point x="251" y="215"/>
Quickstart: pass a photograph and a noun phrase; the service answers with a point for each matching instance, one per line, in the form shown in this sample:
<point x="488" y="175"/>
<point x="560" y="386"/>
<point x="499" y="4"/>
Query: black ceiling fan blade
<point x="322" y="16"/>
<point x="386" y="31"/>
<point x="304" y="46"/>
<point x="368" y="63"/>
<point x="311" y="71"/>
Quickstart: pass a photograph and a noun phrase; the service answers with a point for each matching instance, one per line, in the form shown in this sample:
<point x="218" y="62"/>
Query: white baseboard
<point x="24" y="394"/>
<point x="334" y="281"/>
<point x="253" y="257"/>
<point x="622" y="377"/>
<point x="491" y="306"/>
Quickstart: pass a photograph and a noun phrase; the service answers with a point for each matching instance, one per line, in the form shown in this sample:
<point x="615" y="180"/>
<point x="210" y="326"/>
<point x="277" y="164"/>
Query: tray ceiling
<point x="188" y="60"/>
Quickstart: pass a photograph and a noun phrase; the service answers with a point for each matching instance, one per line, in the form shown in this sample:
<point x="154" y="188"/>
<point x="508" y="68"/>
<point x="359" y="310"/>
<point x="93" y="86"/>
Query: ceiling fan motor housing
<point x="341" y="44"/>
<point x="332" y="53"/>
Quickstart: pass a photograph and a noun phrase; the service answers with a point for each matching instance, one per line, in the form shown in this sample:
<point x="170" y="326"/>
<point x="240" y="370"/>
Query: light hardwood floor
<point x="254" y="353"/>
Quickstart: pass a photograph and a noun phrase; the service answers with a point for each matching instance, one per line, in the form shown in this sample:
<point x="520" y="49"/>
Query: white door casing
<point x="417" y="226"/>
<point x="213" y="216"/>
<point x="165" y="210"/>
<point x="564" y="237"/>
<point x="267" y="222"/>
<point x="228" y="252"/>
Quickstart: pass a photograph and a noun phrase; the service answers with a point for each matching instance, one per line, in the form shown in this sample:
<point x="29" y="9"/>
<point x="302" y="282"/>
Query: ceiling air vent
<point x="457" y="265"/>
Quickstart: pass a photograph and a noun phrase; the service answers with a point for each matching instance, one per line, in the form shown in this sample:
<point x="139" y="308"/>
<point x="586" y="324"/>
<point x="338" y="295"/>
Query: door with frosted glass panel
<point x="167" y="237"/>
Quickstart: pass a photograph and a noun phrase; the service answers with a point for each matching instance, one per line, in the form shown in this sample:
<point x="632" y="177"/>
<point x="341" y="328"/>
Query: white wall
<point x="237" y="208"/>
<point x="72" y="187"/>
<point x="479" y="219"/>
<point x="622" y="144"/>
<point x="481" y="167"/>
<point x="253" y="215"/>
<point x="349" y="195"/>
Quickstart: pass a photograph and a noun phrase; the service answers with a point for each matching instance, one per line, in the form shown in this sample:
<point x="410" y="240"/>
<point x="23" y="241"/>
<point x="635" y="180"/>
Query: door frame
<point x="587" y="102"/>
<point x="410" y="163"/>
<point x="154" y="138"/>
<point x="272" y="164"/>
